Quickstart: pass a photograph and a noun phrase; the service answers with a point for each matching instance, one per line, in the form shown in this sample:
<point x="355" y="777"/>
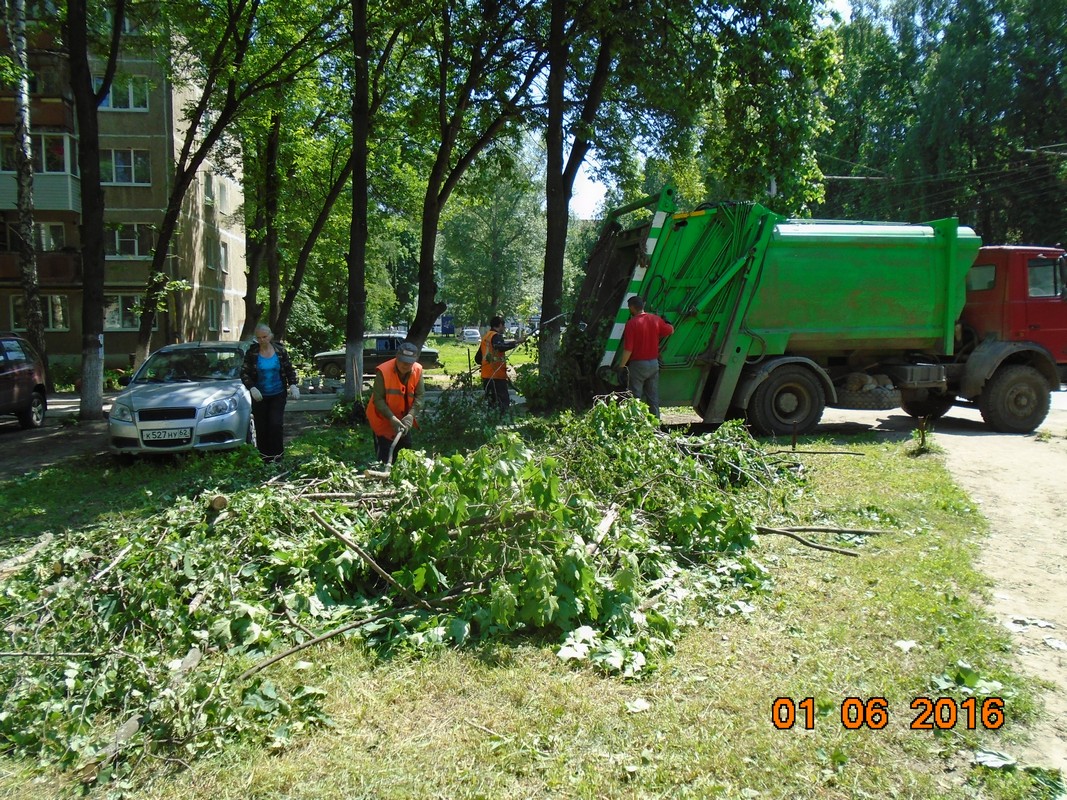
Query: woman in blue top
<point x="270" y="378"/>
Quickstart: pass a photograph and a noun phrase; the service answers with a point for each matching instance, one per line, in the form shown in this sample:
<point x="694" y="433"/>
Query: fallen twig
<point x="820" y="529"/>
<point x="354" y="547"/>
<point x="808" y="542"/>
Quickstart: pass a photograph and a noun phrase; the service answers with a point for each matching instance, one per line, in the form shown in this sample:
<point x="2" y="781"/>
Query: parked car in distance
<point x="184" y="397"/>
<point x="470" y="336"/>
<point x="22" y="389"/>
<point x="377" y="349"/>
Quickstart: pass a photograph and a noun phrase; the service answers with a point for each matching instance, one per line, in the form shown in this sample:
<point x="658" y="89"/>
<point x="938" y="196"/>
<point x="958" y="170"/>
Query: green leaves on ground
<point x="147" y="639"/>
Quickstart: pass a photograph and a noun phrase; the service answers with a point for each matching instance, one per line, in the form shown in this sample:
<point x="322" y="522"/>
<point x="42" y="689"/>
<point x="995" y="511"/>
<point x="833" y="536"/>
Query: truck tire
<point x="1015" y="400"/>
<point x="932" y="406"/>
<point x="331" y="369"/>
<point x="880" y="398"/>
<point x="790" y="399"/>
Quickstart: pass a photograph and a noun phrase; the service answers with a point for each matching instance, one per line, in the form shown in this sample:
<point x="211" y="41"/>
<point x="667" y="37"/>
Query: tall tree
<point x="15" y="30"/>
<point x="87" y="99"/>
<point x="480" y="62"/>
<point x="227" y="54"/>
<point x="493" y="242"/>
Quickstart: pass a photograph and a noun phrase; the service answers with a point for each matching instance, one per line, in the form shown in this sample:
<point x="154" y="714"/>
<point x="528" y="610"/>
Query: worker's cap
<point x="408" y="353"/>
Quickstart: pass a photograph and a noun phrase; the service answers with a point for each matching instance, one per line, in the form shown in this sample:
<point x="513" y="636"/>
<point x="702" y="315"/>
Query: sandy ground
<point x="1017" y="481"/>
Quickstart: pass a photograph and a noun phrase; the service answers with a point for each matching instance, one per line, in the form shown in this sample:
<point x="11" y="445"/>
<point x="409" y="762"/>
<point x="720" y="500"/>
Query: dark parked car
<point x="184" y="397"/>
<point x="22" y="390"/>
<point x="377" y="349"/>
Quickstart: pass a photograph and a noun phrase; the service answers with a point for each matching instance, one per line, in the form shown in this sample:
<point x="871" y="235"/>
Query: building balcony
<point x="53" y="269"/>
<point x="52" y="191"/>
<point x="46" y="113"/>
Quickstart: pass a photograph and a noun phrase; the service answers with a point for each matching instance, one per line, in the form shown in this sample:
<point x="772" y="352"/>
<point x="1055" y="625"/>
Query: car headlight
<point x="219" y="407"/>
<point x="120" y="412"/>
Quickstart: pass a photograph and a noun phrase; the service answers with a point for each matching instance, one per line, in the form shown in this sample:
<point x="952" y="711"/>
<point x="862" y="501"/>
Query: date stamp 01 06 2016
<point x="941" y="713"/>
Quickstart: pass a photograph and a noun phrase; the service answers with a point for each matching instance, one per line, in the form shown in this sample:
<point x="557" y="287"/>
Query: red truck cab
<point x="1019" y="294"/>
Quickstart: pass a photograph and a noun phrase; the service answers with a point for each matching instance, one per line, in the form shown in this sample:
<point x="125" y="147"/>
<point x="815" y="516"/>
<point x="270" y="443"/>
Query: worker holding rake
<point x="396" y="400"/>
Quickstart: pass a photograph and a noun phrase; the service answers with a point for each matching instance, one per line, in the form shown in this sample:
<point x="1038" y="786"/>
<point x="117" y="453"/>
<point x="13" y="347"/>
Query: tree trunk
<point x="92" y="228"/>
<point x="15" y="22"/>
<point x="357" y="245"/>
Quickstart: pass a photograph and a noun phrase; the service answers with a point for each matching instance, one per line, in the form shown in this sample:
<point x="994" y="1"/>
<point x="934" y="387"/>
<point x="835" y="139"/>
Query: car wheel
<point x="332" y="370"/>
<point x="33" y="416"/>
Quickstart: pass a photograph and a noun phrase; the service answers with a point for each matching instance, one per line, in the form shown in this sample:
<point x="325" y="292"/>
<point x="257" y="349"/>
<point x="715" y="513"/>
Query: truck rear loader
<point x="775" y="319"/>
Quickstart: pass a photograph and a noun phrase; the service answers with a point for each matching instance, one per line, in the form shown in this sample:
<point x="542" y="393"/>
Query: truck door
<point x="1046" y="306"/>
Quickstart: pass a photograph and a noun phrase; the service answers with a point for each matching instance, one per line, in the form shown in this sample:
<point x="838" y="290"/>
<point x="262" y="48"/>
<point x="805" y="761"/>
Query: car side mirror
<point x="124" y="380"/>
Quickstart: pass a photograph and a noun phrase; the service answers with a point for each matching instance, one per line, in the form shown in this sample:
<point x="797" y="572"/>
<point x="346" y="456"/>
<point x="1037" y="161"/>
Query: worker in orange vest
<point x="396" y="400"/>
<point x="495" y="364"/>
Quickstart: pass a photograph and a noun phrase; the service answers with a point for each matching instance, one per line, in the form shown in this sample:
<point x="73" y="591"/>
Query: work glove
<point x="257" y="395"/>
<point x="408" y="422"/>
<point x="294" y="392"/>
<point x="398" y="425"/>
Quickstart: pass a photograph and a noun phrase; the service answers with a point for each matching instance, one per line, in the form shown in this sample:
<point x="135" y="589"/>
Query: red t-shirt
<point x="642" y="334"/>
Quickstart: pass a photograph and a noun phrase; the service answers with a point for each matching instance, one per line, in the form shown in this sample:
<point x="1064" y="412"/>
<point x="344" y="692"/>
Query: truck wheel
<point x="331" y="370"/>
<point x="932" y="406"/>
<point x="789" y="399"/>
<point x="1015" y="400"/>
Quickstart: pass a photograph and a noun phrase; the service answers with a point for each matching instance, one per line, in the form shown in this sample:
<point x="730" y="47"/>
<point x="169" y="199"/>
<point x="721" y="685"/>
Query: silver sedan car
<point x="184" y="397"/>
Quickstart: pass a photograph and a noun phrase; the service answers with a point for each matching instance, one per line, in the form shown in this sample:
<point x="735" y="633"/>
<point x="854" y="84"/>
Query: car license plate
<point x="166" y="434"/>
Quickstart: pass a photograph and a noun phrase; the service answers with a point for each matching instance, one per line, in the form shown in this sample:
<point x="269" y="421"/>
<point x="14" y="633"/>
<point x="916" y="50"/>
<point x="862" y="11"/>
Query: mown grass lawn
<point x="513" y="721"/>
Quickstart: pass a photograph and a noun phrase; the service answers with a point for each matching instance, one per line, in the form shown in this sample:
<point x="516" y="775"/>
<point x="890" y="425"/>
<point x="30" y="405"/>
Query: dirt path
<point x="1018" y="482"/>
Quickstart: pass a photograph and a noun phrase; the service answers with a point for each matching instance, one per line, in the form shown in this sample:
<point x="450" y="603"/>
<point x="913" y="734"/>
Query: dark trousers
<point x="496" y="391"/>
<point x="269" y="414"/>
<point x="382" y="445"/>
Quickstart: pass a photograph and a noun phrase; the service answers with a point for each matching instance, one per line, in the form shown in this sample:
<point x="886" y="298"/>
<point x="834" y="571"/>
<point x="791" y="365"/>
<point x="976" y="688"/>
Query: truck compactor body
<point x="777" y="318"/>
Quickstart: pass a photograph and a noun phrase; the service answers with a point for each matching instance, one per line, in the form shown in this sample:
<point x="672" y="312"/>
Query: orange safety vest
<point x="399" y="396"/>
<point x="494" y="363"/>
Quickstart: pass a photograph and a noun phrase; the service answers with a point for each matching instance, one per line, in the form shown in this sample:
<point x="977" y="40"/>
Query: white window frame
<point x="50" y="304"/>
<point x="39" y="151"/>
<point x="224" y="258"/>
<point x="129" y="320"/>
<point x="48" y="237"/>
<point x="143" y="239"/>
<point x="134" y="87"/>
<point x="139" y="161"/>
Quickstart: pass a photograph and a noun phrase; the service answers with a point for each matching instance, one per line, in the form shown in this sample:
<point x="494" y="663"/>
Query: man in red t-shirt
<point x="640" y="352"/>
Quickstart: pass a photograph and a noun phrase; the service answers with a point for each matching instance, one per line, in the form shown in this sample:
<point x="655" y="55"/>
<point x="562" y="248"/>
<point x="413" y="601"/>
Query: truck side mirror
<point x="1061" y="274"/>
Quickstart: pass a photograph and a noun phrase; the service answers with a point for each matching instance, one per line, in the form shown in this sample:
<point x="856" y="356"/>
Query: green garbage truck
<point x="775" y="318"/>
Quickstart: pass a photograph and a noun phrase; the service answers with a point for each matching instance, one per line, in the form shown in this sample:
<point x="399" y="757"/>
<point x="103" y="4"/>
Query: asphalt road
<point x="62" y="436"/>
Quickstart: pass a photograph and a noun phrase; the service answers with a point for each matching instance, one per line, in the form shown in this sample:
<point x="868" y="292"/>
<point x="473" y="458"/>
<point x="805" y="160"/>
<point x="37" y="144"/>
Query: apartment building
<point x="140" y="133"/>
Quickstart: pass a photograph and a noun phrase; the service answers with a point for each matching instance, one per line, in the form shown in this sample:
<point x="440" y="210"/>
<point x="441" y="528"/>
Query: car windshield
<point x="187" y="366"/>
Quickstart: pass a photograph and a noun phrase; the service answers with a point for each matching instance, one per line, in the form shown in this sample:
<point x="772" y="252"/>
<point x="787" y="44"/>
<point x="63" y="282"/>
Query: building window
<point x="125" y="166"/>
<point x="122" y="312"/>
<point x="227" y="322"/>
<point x="129" y="240"/>
<point x="213" y="314"/>
<point x="49" y="152"/>
<point x="212" y="252"/>
<point x="53" y="306"/>
<point x="209" y="189"/>
<point x="224" y="258"/>
<point x="127" y="93"/>
<point x="47" y="236"/>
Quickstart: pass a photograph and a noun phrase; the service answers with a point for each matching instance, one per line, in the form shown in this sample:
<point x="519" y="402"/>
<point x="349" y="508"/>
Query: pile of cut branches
<point x="602" y="534"/>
